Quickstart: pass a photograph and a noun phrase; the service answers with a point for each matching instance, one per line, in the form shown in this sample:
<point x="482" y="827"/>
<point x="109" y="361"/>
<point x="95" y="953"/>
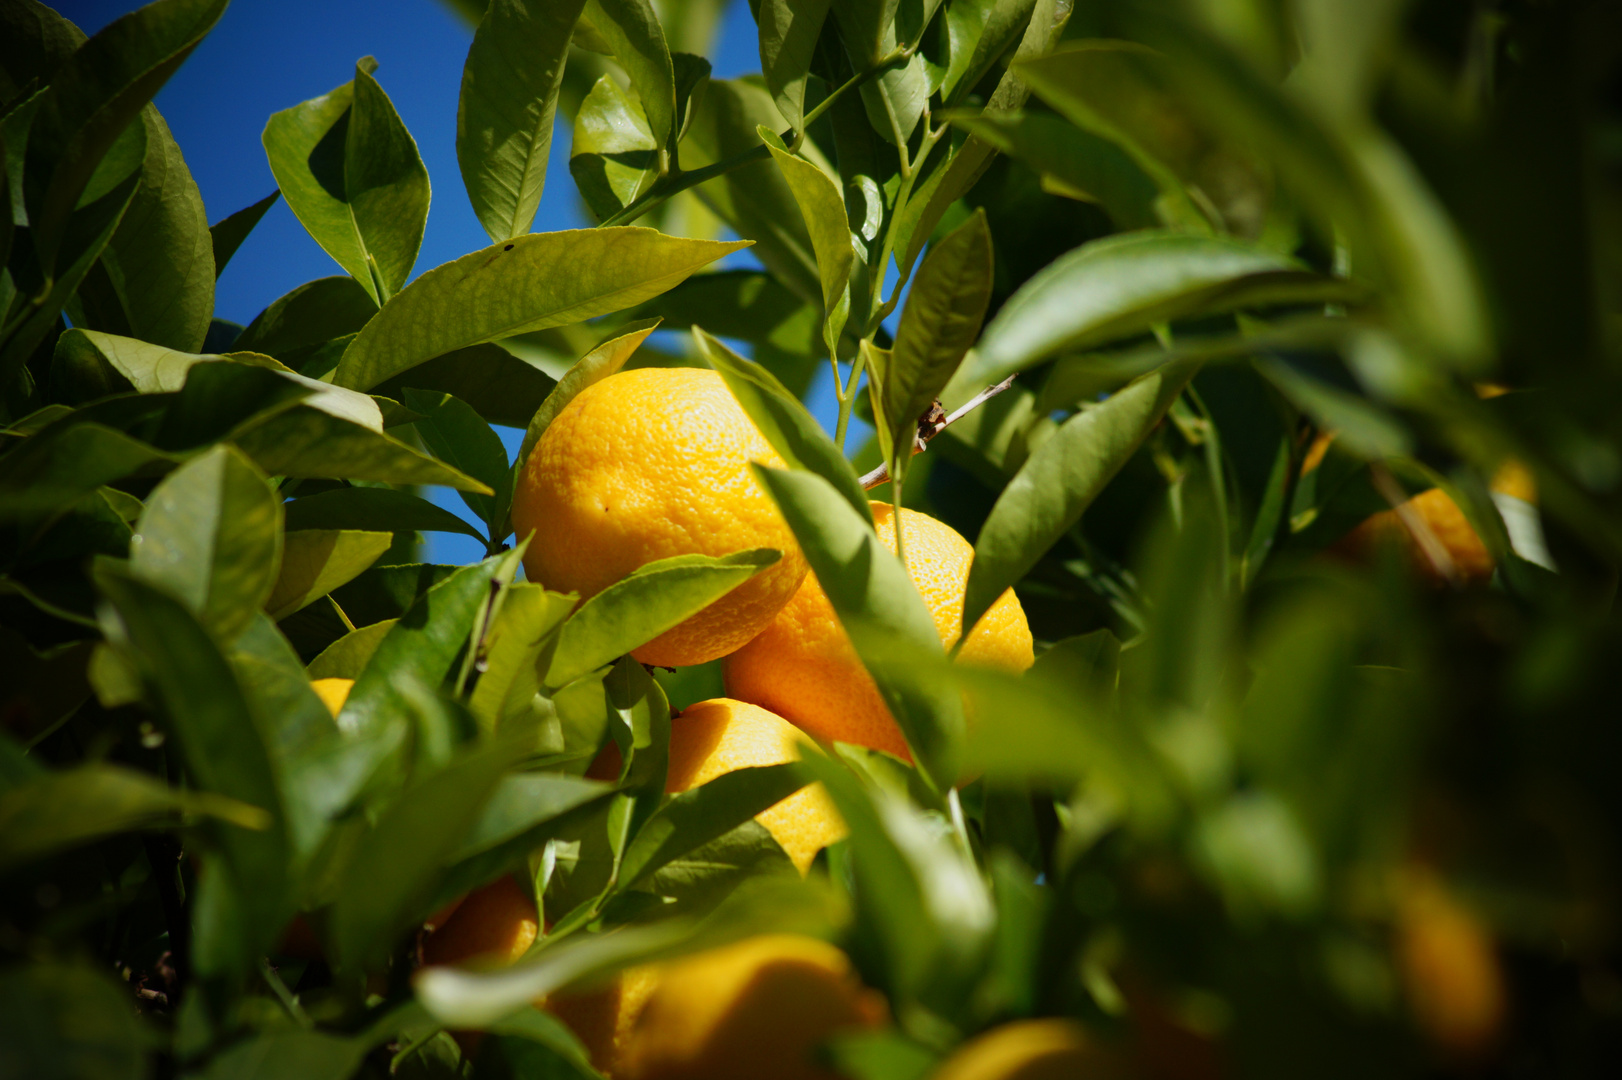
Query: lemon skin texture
<point x="754" y="1009"/>
<point x="1032" y="1050"/>
<point x="645" y="465"/>
<point x="804" y="668"/>
<point x="720" y="735"/>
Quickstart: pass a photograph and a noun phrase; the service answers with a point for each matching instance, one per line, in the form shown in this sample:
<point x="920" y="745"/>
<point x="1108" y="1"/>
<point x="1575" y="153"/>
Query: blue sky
<point x="268" y="55"/>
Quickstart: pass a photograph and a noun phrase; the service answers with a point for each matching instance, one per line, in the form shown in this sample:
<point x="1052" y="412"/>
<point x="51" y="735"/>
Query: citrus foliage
<point x="1269" y="802"/>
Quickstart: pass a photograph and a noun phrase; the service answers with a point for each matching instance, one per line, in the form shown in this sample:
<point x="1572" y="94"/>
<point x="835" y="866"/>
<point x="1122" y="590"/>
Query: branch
<point x="931" y="424"/>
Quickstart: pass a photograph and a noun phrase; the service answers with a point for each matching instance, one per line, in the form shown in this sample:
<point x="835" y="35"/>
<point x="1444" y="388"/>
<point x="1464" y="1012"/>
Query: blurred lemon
<point x="802" y="666"/>
<point x="645" y="465"/>
<point x="333" y="693"/>
<point x="1450" y="969"/>
<point x="495" y="924"/>
<point x="1031" y="1050"/>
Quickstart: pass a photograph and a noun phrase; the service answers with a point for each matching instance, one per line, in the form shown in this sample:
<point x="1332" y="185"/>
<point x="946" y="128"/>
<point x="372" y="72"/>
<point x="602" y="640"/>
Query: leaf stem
<point x="881" y="474"/>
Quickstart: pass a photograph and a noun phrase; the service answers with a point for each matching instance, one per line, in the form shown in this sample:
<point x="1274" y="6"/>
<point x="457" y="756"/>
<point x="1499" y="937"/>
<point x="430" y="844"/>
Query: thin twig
<point x="928" y="428"/>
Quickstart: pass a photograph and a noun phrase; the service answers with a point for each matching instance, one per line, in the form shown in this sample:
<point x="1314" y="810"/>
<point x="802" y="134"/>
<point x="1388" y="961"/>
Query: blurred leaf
<point x="156" y="276"/>
<point x="504" y="119"/>
<point x="347" y="657"/>
<point x="596" y="365"/>
<point x="1259" y="858"/>
<point x="632" y="30"/>
<point x="284" y="1055"/>
<point x="1122" y="285"/>
<point x="644" y="604"/>
<point x="704" y="814"/>
<point x="880" y="1055"/>
<point x="392" y="875"/>
<point x="520" y="633"/>
<point x="788" y="39"/>
<point x="210" y="535"/>
<point x="227" y="234"/>
<point x="65" y="809"/>
<point x="880" y="610"/>
<point x="1074" y="163"/>
<point x="65" y="1022"/>
<point x="942" y="318"/>
<point x="350" y="171"/>
<point x="214" y="731"/>
<point x="310" y="315"/>
<point x="372" y="509"/>
<point x="96" y="93"/>
<point x="528" y="283"/>
<point x="823" y="209"/>
<point x="784" y="422"/>
<point x="1359" y="425"/>
<point x="1060" y="480"/>
<point x="457" y="435"/>
<point x="309" y="442"/>
<point x="615" y="157"/>
<point x="316" y="561"/>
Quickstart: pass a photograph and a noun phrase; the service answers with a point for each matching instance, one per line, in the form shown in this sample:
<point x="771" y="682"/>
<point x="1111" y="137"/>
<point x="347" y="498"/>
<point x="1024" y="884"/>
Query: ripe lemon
<point x="1450" y="969"/>
<point x="645" y="465"/>
<point x="1031" y="1050"/>
<point x="720" y="735"/>
<point x="802" y="666"/>
<point x="333" y="693"/>
<point x="495" y="924"/>
<point x="749" y="1010"/>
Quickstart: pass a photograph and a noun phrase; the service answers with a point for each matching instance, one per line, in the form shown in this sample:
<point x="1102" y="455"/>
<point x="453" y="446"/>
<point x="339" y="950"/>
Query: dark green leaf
<point x="311" y="315"/>
<point x="70" y="1023"/>
<point x="978" y="34"/>
<point x="283" y="1055"/>
<point x="210" y="536"/>
<point x="632" y="30"/>
<point x="1360" y="426"/>
<point x="510" y="682"/>
<point x="501" y="387"/>
<point x="646" y="603"/>
<point x="307" y="441"/>
<point x="347" y="657"/>
<point x="881" y="611"/>
<point x="227" y="234"/>
<point x="704" y="814"/>
<point x="456" y="435"/>
<point x="788" y="39"/>
<point x="372" y="509"/>
<point x="316" y="561"/>
<point x="351" y="173"/>
<point x="1060" y="480"/>
<point x="784" y="422"/>
<point x="823" y="209"/>
<point x="63" y="464"/>
<point x="528" y="283"/>
<point x="504" y="118"/>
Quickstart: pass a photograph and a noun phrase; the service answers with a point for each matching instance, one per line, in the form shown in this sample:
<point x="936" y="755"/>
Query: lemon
<point x="333" y="693"/>
<point x="1031" y="1050"/>
<point x="1450" y="969"/>
<point x="803" y="668"/>
<point x="645" y="465"/>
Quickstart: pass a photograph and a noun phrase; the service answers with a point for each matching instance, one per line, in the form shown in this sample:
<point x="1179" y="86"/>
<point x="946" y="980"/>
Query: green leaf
<point x="283" y="1055"/>
<point x="510" y="89"/>
<point x="704" y="814"/>
<point x="632" y="30"/>
<point x="614" y="157"/>
<point x="1074" y="163"/>
<point x="696" y="882"/>
<point x="644" y="604"/>
<point x="458" y="436"/>
<point x="64" y="809"/>
<point x="1122" y="285"/>
<point x="311" y="315"/>
<point x="96" y="93"/>
<point x="392" y="875"/>
<point x="520" y="633"/>
<point x="210" y="535"/>
<point x="347" y="657"/>
<point x="529" y="283"/>
<point x="372" y="509"/>
<point x="520" y="803"/>
<point x="978" y="34"/>
<point x="501" y="387"/>
<point x="308" y="442"/>
<point x="1360" y="426"/>
<point x="788" y="39"/>
<point x="68" y="461"/>
<point x="316" y="561"/>
<point x="784" y="422"/>
<point x="351" y="173"/>
<point x="1060" y="480"/>
<point x="70" y="1022"/>
<point x="942" y="318"/>
<point x="227" y="234"/>
<point x="214" y="731"/>
<point x="823" y="209"/>
<point x="156" y="277"/>
<point x="880" y="610"/>
<point x="595" y="366"/>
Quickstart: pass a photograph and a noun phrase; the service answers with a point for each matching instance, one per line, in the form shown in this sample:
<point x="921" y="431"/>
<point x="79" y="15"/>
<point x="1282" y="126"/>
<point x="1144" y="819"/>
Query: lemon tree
<point x="1233" y="699"/>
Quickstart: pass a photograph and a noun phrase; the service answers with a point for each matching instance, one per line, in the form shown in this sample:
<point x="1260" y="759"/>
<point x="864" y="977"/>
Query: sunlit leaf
<point x="316" y="561"/>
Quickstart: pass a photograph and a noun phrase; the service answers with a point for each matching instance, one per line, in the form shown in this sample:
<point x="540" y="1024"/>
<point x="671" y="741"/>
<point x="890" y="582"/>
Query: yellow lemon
<point x="333" y="693"/>
<point x="754" y="1009"/>
<point x="645" y="465"/>
<point x="495" y="924"/>
<point x="1031" y="1050"/>
<point x="802" y="666"/>
<point x="1450" y="969"/>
